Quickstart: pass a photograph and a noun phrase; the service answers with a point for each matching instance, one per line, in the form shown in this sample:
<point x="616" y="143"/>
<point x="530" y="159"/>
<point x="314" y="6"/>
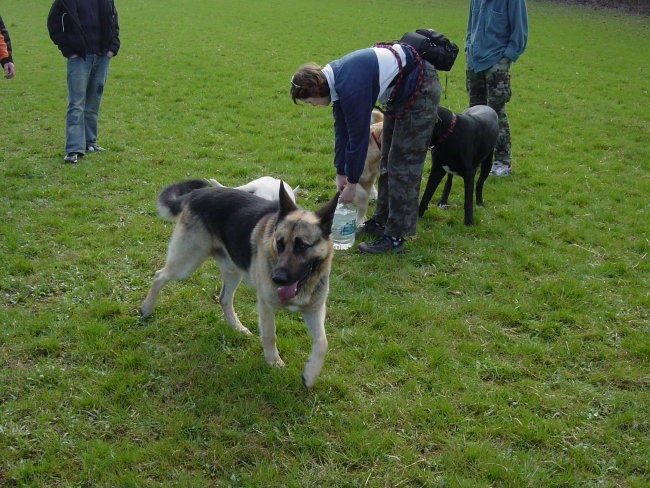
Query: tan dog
<point x="282" y="251"/>
<point x="366" y="185"/>
<point x="376" y="116"/>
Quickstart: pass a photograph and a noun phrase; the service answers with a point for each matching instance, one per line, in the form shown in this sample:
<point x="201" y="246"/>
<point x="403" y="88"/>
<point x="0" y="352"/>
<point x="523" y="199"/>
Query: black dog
<point x="460" y="144"/>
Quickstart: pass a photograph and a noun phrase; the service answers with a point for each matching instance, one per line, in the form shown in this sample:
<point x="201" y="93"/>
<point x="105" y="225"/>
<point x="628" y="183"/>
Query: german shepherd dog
<point x="282" y="251"/>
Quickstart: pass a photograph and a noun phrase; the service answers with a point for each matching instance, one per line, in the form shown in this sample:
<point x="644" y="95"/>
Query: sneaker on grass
<point x="72" y="157"/>
<point x="383" y="244"/>
<point x="501" y="169"/>
<point x="372" y="228"/>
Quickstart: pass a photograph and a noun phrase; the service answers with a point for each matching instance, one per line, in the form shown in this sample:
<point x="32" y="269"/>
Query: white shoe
<point x="500" y="169"/>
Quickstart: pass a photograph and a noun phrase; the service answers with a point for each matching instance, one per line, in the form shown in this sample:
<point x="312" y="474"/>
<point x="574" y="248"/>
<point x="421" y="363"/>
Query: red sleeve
<point x="4" y="52"/>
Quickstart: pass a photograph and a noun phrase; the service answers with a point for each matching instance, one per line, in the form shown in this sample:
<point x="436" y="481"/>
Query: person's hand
<point x="341" y="181"/>
<point x="110" y="54"/>
<point x="347" y="195"/>
<point x="9" y="70"/>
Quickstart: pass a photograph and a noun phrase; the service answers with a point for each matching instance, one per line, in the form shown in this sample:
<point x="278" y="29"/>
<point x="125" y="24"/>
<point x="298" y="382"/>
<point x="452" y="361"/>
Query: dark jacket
<point x="67" y="31"/>
<point x="356" y="79"/>
<point x="5" y="45"/>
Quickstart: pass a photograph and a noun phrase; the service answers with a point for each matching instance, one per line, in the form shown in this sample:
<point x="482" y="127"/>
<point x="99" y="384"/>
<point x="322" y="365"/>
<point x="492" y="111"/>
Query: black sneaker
<point x="95" y="148"/>
<point x="383" y="244"/>
<point x="371" y="227"/>
<point x="72" y="157"/>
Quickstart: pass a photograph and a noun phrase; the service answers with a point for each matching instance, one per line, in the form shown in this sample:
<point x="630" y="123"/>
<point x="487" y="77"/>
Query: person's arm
<point x="115" y="42"/>
<point x="349" y="157"/>
<point x="518" y="18"/>
<point x="55" y="21"/>
<point x="468" y="31"/>
<point x="340" y="138"/>
<point x="6" y="59"/>
<point x="357" y="118"/>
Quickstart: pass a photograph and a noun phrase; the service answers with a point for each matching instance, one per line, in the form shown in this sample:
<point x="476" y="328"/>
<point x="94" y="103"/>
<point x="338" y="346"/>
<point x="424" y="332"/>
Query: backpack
<point x="433" y="47"/>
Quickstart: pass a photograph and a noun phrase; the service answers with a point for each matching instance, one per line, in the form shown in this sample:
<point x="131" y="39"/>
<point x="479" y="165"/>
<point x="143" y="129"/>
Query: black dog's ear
<point x="286" y="203"/>
<point x="326" y="214"/>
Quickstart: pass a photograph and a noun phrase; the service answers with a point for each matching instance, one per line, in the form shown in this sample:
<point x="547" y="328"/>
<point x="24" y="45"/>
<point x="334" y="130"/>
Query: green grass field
<point x="512" y="353"/>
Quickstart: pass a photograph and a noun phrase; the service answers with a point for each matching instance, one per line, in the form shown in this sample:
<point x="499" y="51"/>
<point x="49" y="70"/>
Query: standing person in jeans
<point x="497" y="31"/>
<point x="409" y="90"/>
<point x="87" y="33"/>
<point x="6" y="60"/>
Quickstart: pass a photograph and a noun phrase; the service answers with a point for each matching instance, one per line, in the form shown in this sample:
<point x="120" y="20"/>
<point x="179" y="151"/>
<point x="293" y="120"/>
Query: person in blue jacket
<point x="497" y="31"/>
<point x="407" y="87"/>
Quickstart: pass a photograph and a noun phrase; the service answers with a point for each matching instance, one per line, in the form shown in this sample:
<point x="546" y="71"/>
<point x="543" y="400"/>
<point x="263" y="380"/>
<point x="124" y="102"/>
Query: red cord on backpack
<point x="400" y="76"/>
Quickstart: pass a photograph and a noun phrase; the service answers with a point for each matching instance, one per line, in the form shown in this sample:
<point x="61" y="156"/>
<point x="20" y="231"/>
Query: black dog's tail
<point x="170" y="199"/>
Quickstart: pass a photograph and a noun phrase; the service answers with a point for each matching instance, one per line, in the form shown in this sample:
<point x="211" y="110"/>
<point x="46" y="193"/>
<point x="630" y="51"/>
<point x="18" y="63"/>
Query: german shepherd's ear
<point x="286" y="203"/>
<point x="326" y="214"/>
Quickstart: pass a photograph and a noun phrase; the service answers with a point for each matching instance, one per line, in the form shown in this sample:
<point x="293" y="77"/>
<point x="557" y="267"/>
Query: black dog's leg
<point x="468" y="178"/>
<point x="435" y="177"/>
<point x="445" y="191"/>
<point x="486" y="166"/>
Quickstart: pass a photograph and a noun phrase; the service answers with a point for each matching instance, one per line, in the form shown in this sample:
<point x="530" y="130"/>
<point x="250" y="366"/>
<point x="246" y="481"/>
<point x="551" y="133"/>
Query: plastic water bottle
<point x="344" y="226"/>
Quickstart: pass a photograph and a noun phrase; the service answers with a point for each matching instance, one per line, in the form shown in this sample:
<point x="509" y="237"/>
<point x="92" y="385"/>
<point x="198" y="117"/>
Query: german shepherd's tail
<point x="171" y="198"/>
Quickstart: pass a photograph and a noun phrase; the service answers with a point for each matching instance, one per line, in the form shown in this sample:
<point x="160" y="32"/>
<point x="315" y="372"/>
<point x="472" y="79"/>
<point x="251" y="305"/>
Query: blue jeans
<point x="86" y="78"/>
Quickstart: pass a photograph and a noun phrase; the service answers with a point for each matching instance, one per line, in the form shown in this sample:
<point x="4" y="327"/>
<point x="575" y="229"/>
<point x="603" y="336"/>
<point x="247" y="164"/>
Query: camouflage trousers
<point x="405" y="143"/>
<point x="492" y="87"/>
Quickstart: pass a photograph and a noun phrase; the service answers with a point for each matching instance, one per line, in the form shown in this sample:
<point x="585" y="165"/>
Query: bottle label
<point x="348" y="228"/>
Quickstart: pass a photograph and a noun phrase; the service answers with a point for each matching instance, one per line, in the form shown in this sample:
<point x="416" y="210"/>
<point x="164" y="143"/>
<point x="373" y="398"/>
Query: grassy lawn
<point x="511" y="353"/>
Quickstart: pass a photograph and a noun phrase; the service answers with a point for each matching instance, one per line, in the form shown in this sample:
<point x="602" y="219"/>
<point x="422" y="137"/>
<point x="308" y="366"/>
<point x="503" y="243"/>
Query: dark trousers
<point x="492" y="87"/>
<point x="405" y="145"/>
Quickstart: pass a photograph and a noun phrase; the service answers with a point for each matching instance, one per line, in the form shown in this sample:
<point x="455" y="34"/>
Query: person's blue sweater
<point x="356" y="81"/>
<point x="495" y="29"/>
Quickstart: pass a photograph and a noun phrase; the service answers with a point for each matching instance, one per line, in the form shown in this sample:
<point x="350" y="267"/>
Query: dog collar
<point x="377" y="141"/>
<point x="449" y="131"/>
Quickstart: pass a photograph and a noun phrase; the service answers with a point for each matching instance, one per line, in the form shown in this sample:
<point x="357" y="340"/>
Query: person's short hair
<point x="308" y="81"/>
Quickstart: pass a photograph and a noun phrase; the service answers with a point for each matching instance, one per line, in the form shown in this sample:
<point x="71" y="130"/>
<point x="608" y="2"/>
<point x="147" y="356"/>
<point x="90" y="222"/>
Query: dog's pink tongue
<point x="288" y="291"/>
